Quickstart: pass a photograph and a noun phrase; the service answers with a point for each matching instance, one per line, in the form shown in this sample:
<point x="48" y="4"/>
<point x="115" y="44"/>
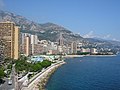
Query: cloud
<point x="107" y="36"/>
<point x="114" y="39"/>
<point x="2" y="4"/>
<point x="89" y="35"/>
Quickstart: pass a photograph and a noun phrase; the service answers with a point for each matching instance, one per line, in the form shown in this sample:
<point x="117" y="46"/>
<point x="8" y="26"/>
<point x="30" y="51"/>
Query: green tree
<point x="9" y="66"/>
<point x="46" y="63"/>
<point x="36" y="67"/>
<point x="2" y="74"/>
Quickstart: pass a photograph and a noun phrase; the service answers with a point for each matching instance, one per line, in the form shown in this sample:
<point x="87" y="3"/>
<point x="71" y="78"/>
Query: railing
<point x="40" y="73"/>
<point x="43" y="72"/>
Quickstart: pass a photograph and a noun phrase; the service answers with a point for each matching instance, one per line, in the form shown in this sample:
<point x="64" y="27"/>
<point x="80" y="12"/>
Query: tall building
<point x="28" y="42"/>
<point x="32" y="43"/>
<point x="22" y="38"/>
<point x="61" y="40"/>
<point x="9" y="33"/>
<point x="17" y="43"/>
<point x="73" y="47"/>
<point x="27" y="46"/>
<point x="34" y="40"/>
<point x="1" y="54"/>
<point x="23" y="42"/>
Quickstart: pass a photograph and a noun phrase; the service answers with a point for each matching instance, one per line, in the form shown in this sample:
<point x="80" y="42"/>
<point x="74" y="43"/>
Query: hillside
<point x="47" y="31"/>
<point x="51" y="31"/>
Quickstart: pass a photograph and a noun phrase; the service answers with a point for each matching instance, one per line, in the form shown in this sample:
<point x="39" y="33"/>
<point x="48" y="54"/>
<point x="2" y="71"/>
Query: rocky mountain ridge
<point x="45" y="30"/>
<point x="51" y="31"/>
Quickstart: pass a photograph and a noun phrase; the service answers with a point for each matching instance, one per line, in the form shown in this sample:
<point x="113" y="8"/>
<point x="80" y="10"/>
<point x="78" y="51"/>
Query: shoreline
<point x="75" y="56"/>
<point x="72" y="56"/>
<point x="40" y="82"/>
<point x="101" y="55"/>
<point x="43" y="82"/>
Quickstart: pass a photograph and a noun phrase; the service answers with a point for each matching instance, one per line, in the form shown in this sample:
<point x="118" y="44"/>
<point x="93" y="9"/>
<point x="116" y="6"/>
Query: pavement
<point x="34" y="82"/>
<point x="6" y="86"/>
<point x="13" y="77"/>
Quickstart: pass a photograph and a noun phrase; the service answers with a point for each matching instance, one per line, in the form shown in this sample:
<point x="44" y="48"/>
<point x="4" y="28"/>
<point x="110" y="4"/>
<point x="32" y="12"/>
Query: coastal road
<point x="13" y="77"/>
<point x="5" y="86"/>
<point x="36" y="79"/>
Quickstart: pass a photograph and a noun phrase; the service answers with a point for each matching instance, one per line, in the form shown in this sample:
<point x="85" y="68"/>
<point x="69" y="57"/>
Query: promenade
<point x="72" y="56"/>
<point x="35" y="81"/>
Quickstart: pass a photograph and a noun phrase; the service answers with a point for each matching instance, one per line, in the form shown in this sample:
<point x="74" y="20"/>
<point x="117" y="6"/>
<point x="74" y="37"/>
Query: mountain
<point x="49" y="31"/>
<point x="52" y="32"/>
<point x="101" y="43"/>
<point x="20" y="20"/>
<point x="100" y="40"/>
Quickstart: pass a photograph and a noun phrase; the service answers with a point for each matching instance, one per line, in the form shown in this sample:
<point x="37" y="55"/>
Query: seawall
<point x="40" y="82"/>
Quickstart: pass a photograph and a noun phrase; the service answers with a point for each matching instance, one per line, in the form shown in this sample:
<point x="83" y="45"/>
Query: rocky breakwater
<point x="40" y="82"/>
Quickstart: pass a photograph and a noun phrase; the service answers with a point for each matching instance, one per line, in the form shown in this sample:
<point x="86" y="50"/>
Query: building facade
<point x="73" y="47"/>
<point x="61" y="41"/>
<point x="1" y="54"/>
<point x="9" y="33"/>
<point x="93" y="51"/>
<point x="27" y="46"/>
<point x="34" y="40"/>
<point x="17" y="43"/>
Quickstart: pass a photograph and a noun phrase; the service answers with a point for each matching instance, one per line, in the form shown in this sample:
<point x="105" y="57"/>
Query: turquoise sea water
<point x="87" y="73"/>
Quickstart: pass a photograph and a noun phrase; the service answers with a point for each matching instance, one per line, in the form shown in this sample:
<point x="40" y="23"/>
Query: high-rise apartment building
<point x="27" y="46"/>
<point x="73" y="47"/>
<point x="9" y="33"/>
<point x="16" y="43"/>
<point x="28" y="43"/>
<point x="1" y="54"/>
<point x="34" y="40"/>
<point x="61" y="43"/>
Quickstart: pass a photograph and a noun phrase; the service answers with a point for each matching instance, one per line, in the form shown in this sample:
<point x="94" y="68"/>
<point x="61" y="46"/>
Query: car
<point x="9" y="82"/>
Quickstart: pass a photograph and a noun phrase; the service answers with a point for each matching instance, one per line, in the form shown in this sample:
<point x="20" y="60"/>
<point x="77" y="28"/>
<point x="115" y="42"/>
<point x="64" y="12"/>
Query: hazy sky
<point x="91" y="18"/>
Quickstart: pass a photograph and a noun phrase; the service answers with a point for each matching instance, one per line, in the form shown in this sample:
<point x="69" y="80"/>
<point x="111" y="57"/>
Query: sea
<point x="87" y="73"/>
